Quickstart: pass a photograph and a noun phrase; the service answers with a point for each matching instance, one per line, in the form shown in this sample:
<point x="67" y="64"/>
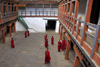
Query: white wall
<point x="19" y="26"/>
<point x="35" y="24"/>
<point x="57" y="26"/>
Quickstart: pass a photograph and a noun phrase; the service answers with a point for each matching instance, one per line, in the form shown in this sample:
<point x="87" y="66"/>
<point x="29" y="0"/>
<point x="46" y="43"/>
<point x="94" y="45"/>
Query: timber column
<point x="59" y="27"/>
<point x="10" y="7"/>
<point x="67" y="50"/>
<point x="76" y="62"/>
<point x="61" y="33"/>
<point x="3" y="34"/>
<point x="10" y="30"/>
<point x="15" y="27"/>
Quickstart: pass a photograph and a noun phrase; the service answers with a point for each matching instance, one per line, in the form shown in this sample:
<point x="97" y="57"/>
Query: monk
<point x="45" y="36"/>
<point x="52" y="40"/>
<point x="25" y="34"/>
<point x="46" y="43"/>
<point x="47" y="56"/>
<point x="63" y="44"/>
<point x="59" y="46"/>
<point x="28" y="32"/>
<point x="12" y="43"/>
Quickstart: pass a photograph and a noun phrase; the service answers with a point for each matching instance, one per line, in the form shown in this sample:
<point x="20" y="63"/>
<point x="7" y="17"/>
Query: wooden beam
<point x="76" y="62"/>
<point x="2" y="7"/>
<point x="76" y="14"/>
<point x="10" y="7"/>
<point x="67" y="7"/>
<point x="15" y="26"/>
<point x="20" y="5"/>
<point x="38" y="2"/>
<point x="11" y="1"/>
<point x="7" y="7"/>
<point x="10" y="30"/>
<point x="3" y="36"/>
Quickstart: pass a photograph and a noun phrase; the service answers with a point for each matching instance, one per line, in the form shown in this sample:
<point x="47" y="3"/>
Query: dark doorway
<point x="51" y="24"/>
<point x="95" y="12"/>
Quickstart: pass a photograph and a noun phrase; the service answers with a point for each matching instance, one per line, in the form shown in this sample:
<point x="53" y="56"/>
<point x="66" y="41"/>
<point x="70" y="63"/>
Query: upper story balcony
<point x="76" y="18"/>
<point x="38" y="13"/>
<point x="5" y="17"/>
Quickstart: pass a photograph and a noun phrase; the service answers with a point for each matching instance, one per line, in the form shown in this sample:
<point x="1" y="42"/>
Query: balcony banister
<point x="92" y="25"/>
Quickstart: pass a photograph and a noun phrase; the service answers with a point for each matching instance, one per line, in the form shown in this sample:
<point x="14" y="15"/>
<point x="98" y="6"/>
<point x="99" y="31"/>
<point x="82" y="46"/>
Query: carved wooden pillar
<point x="3" y="36"/>
<point x="67" y="50"/>
<point x="14" y="26"/>
<point x="76" y="62"/>
<point x="10" y="30"/>
<point x="61" y="33"/>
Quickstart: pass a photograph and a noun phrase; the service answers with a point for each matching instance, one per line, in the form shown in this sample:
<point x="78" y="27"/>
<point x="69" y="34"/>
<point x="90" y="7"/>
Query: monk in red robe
<point x="25" y="34"/>
<point x="47" y="56"/>
<point x="46" y="43"/>
<point x="63" y="44"/>
<point x="28" y="33"/>
<point x="52" y="40"/>
<point x="59" y="46"/>
<point x="45" y="37"/>
<point x="12" y="43"/>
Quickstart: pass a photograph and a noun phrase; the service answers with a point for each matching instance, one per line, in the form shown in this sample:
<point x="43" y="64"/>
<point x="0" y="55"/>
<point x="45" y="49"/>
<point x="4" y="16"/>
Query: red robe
<point x="63" y="44"/>
<point x="45" y="37"/>
<point x="12" y="43"/>
<point x="59" y="46"/>
<point x="52" y="40"/>
<point x="46" y="43"/>
<point x="28" y="33"/>
<point x="47" y="56"/>
<point x="25" y="35"/>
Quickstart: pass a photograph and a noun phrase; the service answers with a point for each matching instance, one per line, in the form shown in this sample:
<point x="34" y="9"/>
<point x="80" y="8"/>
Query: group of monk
<point x="12" y="40"/>
<point x="61" y="45"/>
<point x="46" y="41"/>
<point x="27" y="34"/>
<point x="47" y="53"/>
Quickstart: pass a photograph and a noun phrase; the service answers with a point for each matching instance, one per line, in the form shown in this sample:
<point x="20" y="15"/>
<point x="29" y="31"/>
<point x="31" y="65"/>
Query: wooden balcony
<point x="5" y="18"/>
<point x="38" y="13"/>
<point x="84" y="50"/>
<point x="69" y="23"/>
<point x="38" y="2"/>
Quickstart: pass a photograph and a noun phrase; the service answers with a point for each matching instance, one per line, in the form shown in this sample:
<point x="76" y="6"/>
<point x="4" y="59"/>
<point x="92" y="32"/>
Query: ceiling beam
<point x="38" y="2"/>
<point x="12" y="1"/>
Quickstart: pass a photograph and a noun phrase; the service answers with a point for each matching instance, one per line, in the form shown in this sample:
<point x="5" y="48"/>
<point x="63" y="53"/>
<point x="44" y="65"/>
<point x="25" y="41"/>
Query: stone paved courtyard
<point x="29" y="52"/>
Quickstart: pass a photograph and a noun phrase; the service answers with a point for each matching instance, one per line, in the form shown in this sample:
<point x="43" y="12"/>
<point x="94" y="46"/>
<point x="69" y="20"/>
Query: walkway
<point x="29" y="52"/>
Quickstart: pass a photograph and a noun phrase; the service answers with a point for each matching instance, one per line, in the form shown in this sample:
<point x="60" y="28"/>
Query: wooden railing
<point x="38" y="13"/>
<point x="4" y="17"/>
<point x="74" y="29"/>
